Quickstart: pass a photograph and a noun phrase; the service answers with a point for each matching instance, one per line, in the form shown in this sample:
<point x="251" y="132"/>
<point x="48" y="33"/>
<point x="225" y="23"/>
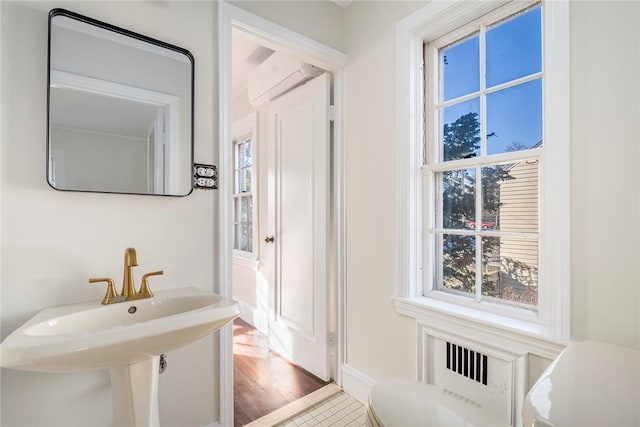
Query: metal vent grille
<point x="468" y="363"/>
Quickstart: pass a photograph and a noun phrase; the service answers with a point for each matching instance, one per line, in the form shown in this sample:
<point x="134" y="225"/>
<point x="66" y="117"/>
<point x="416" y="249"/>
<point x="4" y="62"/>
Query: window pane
<point x="244" y="209"/>
<point x="458" y="198"/>
<point x="245" y="238"/>
<point x="243" y="202"/>
<point x="247" y="152"/>
<point x="244" y="180"/>
<point x="241" y="155"/>
<point x="514" y="118"/>
<point x="510" y="197"/>
<point x="249" y="209"/>
<point x="510" y="269"/>
<point x="461" y="130"/>
<point x="458" y="263"/>
<point x="514" y="48"/>
<point x="460" y="68"/>
<point x="247" y="180"/>
<point x="244" y="154"/>
<point x="236" y="209"/>
<point x="240" y="188"/>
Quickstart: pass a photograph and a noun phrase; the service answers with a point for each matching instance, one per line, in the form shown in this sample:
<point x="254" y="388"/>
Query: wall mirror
<point x="120" y="110"/>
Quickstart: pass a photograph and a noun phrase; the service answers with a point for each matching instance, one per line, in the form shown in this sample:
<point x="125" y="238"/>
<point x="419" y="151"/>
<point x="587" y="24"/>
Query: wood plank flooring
<point x="264" y="381"/>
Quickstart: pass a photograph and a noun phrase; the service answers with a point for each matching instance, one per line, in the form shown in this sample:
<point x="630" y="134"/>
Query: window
<point x="483" y="151"/>
<point x="243" y="218"/>
<point x="482" y="156"/>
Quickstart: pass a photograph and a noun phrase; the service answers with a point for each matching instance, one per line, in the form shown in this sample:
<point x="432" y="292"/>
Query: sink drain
<point x="132" y="309"/>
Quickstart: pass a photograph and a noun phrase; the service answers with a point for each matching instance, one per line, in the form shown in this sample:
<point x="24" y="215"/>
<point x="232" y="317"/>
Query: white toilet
<point x="589" y="384"/>
<point x="415" y="404"/>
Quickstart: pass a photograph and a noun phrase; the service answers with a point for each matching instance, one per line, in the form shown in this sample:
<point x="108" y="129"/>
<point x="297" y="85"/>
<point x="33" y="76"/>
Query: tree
<point x="461" y="139"/>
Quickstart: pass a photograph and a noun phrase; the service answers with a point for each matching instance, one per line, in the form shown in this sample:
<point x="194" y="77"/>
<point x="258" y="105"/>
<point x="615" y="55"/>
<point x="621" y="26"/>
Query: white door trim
<point x="315" y="53"/>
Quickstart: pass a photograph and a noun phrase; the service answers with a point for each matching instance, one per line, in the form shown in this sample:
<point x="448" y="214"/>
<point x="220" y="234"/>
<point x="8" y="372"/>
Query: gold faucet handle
<point x="111" y="295"/>
<point x="145" y="292"/>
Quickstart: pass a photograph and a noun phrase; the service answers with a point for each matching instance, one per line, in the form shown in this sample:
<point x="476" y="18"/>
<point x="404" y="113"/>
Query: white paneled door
<point x="298" y="225"/>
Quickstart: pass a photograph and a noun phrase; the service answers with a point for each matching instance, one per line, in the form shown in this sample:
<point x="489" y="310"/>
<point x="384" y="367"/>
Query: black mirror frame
<point x="63" y="12"/>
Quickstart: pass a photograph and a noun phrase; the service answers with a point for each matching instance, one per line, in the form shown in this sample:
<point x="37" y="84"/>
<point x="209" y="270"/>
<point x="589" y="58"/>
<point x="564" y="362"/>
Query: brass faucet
<point x="130" y="261"/>
<point x="128" y="292"/>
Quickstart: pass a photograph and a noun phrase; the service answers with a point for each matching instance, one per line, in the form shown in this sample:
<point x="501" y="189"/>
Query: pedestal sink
<point x="128" y="338"/>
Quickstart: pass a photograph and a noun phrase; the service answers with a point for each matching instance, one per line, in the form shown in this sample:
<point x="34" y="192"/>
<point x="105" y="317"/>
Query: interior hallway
<point x="264" y="381"/>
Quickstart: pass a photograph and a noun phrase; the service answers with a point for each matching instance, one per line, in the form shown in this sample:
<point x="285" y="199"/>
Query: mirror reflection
<point x="120" y="110"/>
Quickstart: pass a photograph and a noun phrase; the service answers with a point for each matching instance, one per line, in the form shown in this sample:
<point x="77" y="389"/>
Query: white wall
<point x="605" y="155"/>
<point x="241" y="106"/>
<point x="52" y="242"/>
<point x="100" y="161"/>
<point x="319" y="20"/>
<point x="605" y="46"/>
<point x="380" y="343"/>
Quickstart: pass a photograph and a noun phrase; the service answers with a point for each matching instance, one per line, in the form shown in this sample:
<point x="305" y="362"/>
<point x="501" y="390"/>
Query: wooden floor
<point x="264" y="381"/>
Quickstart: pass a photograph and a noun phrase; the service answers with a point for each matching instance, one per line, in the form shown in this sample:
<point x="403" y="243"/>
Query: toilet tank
<point x="589" y="384"/>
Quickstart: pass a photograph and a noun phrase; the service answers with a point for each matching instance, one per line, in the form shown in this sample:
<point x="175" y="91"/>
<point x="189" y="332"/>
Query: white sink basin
<point x="90" y="335"/>
<point x="126" y="337"/>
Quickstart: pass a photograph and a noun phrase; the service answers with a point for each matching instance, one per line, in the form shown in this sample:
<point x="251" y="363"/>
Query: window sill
<point x="500" y="331"/>
<point x="247" y="260"/>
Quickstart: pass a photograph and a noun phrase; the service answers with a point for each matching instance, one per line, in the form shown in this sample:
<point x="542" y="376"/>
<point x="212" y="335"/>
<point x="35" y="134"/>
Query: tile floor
<point x="340" y="410"/>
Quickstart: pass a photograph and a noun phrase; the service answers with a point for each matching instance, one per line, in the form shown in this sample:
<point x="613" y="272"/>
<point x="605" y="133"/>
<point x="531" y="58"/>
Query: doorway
<point x="275" y="37"/>
<point x="281" y="217"/>
<point x="263" y="380"/>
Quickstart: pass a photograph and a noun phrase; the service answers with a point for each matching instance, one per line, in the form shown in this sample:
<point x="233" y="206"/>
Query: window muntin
<point x="483" y="163"/>
<point x="243" y="195"/>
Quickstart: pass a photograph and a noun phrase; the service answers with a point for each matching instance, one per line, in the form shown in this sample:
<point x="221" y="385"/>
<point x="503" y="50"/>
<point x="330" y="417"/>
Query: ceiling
<point x="80" y="109"/>
<point x="246" y="55"/>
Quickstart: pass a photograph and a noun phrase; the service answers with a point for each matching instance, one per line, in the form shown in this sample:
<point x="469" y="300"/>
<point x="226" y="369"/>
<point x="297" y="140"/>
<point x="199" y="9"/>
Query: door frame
<point x="277" y="37"/>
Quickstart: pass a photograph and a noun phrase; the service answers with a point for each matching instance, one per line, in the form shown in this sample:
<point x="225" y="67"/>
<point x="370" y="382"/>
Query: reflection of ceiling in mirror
<point x="63" y="22"/>
<point x="83" y="110"/>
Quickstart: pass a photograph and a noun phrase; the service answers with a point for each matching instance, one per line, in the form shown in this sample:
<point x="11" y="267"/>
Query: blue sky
<point x="513" y="50"/>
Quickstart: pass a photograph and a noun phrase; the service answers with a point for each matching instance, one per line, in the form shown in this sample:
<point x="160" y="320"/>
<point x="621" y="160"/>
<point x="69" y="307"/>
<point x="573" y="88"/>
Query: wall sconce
<point x="205" y="177"/>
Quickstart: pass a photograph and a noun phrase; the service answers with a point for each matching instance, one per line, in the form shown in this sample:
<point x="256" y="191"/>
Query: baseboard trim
<point x="253" y="316"/>
<point x="356" y="383"/>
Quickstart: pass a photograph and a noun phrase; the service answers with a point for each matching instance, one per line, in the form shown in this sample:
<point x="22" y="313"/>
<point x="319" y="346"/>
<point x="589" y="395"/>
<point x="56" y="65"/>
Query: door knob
<point x="269" y="239"/>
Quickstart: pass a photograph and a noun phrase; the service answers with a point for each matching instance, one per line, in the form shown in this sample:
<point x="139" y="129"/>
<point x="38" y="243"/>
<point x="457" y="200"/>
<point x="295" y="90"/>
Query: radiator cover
<point x="479" y="373"/>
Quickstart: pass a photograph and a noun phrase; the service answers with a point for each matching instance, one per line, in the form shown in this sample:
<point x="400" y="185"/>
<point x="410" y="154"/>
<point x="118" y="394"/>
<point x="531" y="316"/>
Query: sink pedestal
<point x="135" y="394"/>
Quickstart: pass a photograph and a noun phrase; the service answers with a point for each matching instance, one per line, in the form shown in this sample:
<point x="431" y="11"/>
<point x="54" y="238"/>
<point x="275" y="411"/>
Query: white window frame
<point x="436" y="165"/>
<point x="553" y="320"/>
<point x="243" y="129"/>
